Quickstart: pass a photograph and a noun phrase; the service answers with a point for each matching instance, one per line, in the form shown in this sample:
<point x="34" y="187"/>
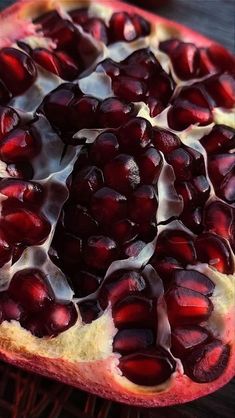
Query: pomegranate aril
<point x="97" y="28"/>
<point x="208" y="362"/>
<point x="83" y="112"/>
<point x="58" y="318"/>
<point x="179" y="244"/>
<point x="221" y="138"/>
<point x="133" y="312"/>
<point x="17" y="70"/>
<point x="85" y="283"/>
<point x="23" y="191"/>
<point x="147" y="368"/>
<point x="155" y="106"/>
<point x="123" y="230"/>
<point x="161" y="87"/>
<point x="99" y="252"/>
<point x="135" y="135"/>
<point x="169" y="45"/>
<point x="21" y="170"/>
<point x="185" y="339"/>
<point x="142" y="26"/>
<point x="192" y="219"/>
<point x="86" y="182"/>
<point x="194" y="280"/>
<point x="221" y="58"/>
<point x="186" y="306"/>
<point x="205" y="63"/>
<point x="215" y="251"/>
<point x="104" y="148"/>
<point x="165" y="267"/>
<point x="120" y="286"/>
<point x="222" y="90"/>
<point x="114" y="112"/>
<point x="34" y="325"/>
<point x="185" y="59"/>
<point x="227" y="189"/>
<point x="78" y="221"/>
<point x="19" y="145"/>
<point x="133" y="248"/>
<point x="195" y="94"/>
<point x="48" y="19"/>
<point x="69" y="67"/>
<point x="142" y="204"/>
<point x="165" y="141"/>
<point x="220" y="165"/>
<point x="122" y="173"/>
<point x="122" y="28"/>
<point x="25" y="226"/>
<point x="48" y="60"/>
<point x="187" y="191"/>
<point x="219" y="218"/>
<point x="10" y="309"/>
<point x="79" y="16"/>
<point x="202" y="188"/>
<point x="9" y="120"/>
<point x="107" y="206"/>
<point x="5" y="248"/>
<point x="183" y="114"/>
<point x="63" y="33"/>
<point x="129" y="89"/>
<point x="141" y="64"/>
<point x="111" y="68"/>
<point x="131" y="340"/>
<point x="28" y="287"/>
<point x="181" y="162"/>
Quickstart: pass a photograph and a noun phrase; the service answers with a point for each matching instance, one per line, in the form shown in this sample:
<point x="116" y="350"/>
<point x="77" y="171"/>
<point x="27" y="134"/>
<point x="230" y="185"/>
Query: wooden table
<point x="214" y="18"/>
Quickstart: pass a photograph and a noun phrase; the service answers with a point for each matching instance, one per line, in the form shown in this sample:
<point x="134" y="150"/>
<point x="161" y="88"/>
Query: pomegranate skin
<point x="81" y="373"/>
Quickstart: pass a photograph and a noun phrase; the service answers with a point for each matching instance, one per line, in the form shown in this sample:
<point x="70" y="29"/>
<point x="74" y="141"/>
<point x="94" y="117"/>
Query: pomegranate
<point x="117" y="213"/>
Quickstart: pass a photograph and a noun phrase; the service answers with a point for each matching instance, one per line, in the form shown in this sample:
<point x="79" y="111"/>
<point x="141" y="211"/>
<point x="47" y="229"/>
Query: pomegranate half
<point x="117" y="201"/>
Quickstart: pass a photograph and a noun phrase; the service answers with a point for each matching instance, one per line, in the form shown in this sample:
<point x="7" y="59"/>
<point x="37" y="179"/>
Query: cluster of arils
<point x="126" y="162"/>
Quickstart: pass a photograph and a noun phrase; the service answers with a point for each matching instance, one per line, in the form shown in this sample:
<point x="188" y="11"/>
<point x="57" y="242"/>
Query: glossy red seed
<point x="111" y="68"/>
<point x="133" y="311"/>
<point x="23" y="191"/>
<point x="123" y="230"/>
<point x="142" y="26"/>
<point x="221" y="57"/>
<point x="208" y="362"/>
<point x="97" y="28"/>
<point x="164" y="140"/>
<point x="113" y="112"/>
<point x="25" y="226"/>
<point x="11" y="310"/>
<point x="186" y="306"/>
<point x="187" y="191"/>
<point x="185" y="60"/>
<point x="222" y="89"/>
<point x="161" y="87"/>
<point x="227" y="190"/>
<point x="116" y="288"/>
<point x="85" y="283"/>
<point x="5" y="248"/>
<point x="221" y="138"/>
<point x="141" y="64"/>
<point x="58" y="318"/>
<point x="131" y="340"/>
<point x="9" y="120"/>
<point x="63" y="33"/>
<point x="195" y="94"/>
<point x="99" y="252"/>
<point x="215" y="251"/>
<point x="177" y="243"/>
<point x="79" y="221"/>
<point x="148" y="369"/>
<point x="83" y="112"/>
<point x="165" y="267"/>
<point x="129" y="89"/>
<point x="169" y="46"/>
<point x="86" y="182"/>
<point x="142" y="204"/>
<point x="133" y="248"/>
<point x="135" y="135"/>
<point x="192" y="219"/>
<point x="181" y="162"/>
<point x="122" y="173"/>
<point x="122" y="28"/>
<point x="48" y="19"/>
<point x="18" y="145"/>
<point x="89" y="311"/>
<point x="104" y="148"/>
<point x="17" y="70"/>
<point x="205" y="63"/>
<point x="69" y="68"/>
<point x="30" y="290"/>
<point x="155" y="106"/>
<point x="79" y="16"/>
<point x="220" y="165"/>
<point x="202" y="188"/>
<point x="194" y="280"/>
<point x="184" y="339"/>
<point x="183" y="114"/>
<point x="108" y="206"/>
<point x="48" y="60"/>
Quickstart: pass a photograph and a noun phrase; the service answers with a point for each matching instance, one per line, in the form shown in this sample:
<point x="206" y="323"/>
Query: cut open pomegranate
<point x="117" y="190"/>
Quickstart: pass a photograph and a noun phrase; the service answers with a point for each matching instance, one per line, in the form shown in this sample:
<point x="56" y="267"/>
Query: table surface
<point x="214" y="18"/>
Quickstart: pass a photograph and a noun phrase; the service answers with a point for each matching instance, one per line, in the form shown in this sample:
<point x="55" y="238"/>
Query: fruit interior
<point x="117" y="195"/>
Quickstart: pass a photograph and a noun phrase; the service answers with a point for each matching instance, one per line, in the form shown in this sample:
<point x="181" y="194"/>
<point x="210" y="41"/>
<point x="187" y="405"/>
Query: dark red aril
<point x="130" y="89"/>
<point x="58" y="318"/>
<point x="135" y="135"/>
<point x="185" y="58"/>
<point x="133" y="248"/>
<point x="132" y="312"/>
<point x="97" y="28"/>
<point x="147" y="368"/>
<point x="99" y="252"/>
<point x="194" y="280"/>
<point x="215" y="251"/>
<point x="9" y="120"/>
<point x="83" y="112"/>
<point x="21" y="170"/>
<point x="221" y="138"/>
<point x="70" y="249"/>
<point x="165" y="267"/>
<point x="165" y="141"/>
<point x="85" y="283"/>
<point x="181" y="162"/>
<point x="122" y="28"/>
<point x="18" y="145"/>
<point x="219" y="218"/>
<point x="143" y="204"/>
<point x="131" y="340"/>
<point x="86" y="182"/>
<point x="122" y="173"/>
<point x="114" y="112"/>
<point x="79" y="16"/>
<point x="5" y="248"/>
<point x="104" y="148"/>
<point x="222" y="89"/>
<point x="183" y="114"/>
<point x="107" y="206"/>
<point x="11" y="310"/>
<point x="5" y="95"/>
<point x="17" y="70"/>
<point x="177" y="243"/>
<point x="184" y="339"/>
<point x="141" y="64"/>
<point x="124" y="230"/>
<point x="23" y="191"/>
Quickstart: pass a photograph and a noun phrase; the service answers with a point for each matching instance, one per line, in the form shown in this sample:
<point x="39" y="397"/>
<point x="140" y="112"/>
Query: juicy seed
<point x="85" y="183"/>
<point x="23" y="191"/>
<point x="122" y="28"/>
<point x="183" y="114"/>
<point x="100" y="252"/>
<point x="181" y="162"/>
<point x="114" y="112"/>
<point x="133" y="311"/>
<point x="59" y="317"/>
<point x="107" y="205"/>
<point x="192" y="279"/>
<point x="185" y="60"/>
<point x="122" y="173"/>
<point x="104" y="148"/>
<point x="187" y="338"/>
<point x="131" y="340"/>
<point x="186" y="306"/>
<point x="143" y="204"/>
<point x="215" y="251"/>
<point x="179" y="244"/>
<point x="207" y="363"/>
<point x="9" y="120"/>
<point x="147" y="368"/>
<point x="17" y="146"/>
<point x="135" y="135"/>
<point x="165" y="141"/>
<point x="221" y="138"/>
<point x="10" y="309"/>
<point x="5" y="248"/>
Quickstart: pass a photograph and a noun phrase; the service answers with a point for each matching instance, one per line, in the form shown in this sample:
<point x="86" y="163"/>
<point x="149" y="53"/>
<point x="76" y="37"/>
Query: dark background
<point x="216" y="19"/>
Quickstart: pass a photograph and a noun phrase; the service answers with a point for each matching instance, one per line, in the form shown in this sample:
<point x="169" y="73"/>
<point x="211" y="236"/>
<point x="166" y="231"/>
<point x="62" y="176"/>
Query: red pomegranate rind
<point x="115" y="183"/>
